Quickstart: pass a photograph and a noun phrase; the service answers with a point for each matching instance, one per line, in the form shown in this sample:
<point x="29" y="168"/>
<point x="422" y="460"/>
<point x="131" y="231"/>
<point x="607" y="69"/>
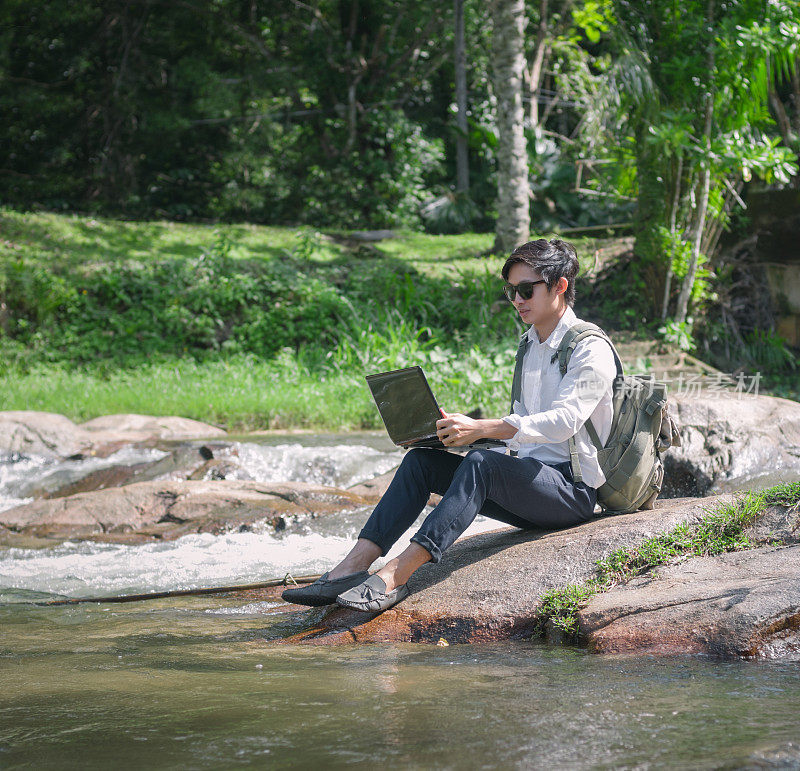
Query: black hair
<point x="551" y="260"/>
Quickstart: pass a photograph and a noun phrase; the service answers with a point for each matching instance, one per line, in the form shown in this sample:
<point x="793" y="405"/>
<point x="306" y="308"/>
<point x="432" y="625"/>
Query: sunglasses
<point x="525" y="289"/>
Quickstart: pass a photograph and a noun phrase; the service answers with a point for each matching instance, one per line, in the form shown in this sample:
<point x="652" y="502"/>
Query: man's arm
<point x="455" y="429"/>
<point x="590" y="374"/>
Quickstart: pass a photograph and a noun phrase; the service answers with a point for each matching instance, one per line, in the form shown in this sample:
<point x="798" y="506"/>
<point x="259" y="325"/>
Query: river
<point x="201" y="682"/>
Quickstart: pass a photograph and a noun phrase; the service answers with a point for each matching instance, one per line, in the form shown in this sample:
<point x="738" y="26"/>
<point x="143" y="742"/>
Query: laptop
<point x="409" y="409"/>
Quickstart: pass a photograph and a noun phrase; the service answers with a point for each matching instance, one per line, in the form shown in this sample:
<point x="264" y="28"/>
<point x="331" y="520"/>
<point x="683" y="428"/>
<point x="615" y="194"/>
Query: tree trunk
<point x="796" y="96"/>
<point x="697" y="234"/>
<point x="704" y="182"/>
<point x="537" y="65"/>
<point x="673" y="229"/>
<point x="513" y="190"/>
<point x="462" y="149"/>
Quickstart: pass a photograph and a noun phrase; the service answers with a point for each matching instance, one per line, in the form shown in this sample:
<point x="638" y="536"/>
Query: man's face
<point x="543" y="306"/>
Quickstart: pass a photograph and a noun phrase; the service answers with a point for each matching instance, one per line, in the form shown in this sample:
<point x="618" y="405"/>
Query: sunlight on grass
<point x="241" y="394"/>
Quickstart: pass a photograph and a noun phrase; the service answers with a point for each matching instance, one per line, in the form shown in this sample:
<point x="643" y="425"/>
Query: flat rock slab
<point x="165" y="510"/>
<point x="742" y="604"/>
<point x="488" y="587"/>
<point x="730" y="442"/>
<point x="50" y="435"/>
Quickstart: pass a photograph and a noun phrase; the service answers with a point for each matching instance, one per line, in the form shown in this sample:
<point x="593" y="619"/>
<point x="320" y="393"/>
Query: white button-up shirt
<point x="554" y="408"/>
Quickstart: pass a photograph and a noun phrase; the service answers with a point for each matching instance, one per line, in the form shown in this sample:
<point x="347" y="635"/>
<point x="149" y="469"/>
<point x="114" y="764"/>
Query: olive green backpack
<point x="641" y="430"/>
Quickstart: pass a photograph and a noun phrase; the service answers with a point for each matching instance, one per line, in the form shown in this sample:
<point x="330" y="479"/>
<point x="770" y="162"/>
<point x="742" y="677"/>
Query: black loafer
<point x="323" y="591"/>
<point x="372" y="595"/>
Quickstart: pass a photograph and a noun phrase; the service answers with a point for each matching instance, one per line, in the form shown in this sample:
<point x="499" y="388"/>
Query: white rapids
<point x="84" y="569"/>
<point x="21" y="475"/>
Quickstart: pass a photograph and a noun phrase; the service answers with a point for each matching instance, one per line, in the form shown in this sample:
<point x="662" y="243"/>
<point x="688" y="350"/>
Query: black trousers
<point x="523" y="492"/>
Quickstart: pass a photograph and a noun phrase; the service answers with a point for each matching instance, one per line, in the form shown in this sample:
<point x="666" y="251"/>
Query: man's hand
<point x="456" y="430"/>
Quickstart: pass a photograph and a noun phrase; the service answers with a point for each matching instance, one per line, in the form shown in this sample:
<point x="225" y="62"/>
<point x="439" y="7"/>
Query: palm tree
<point x="513" y="189"/>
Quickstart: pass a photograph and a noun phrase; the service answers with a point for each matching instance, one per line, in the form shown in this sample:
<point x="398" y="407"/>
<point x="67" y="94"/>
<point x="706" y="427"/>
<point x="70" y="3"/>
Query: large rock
<point x="181" y="462"/>
<point x="184" y="461"/>
<point x="147" y="511"/>
<point x="41" y="433"/>
<point x="742" y="604"/>
<point x="137" y="429"/>
<point x="50" y="435"/>
<point x="488" y="587"/>
<point x="731" y="443"/>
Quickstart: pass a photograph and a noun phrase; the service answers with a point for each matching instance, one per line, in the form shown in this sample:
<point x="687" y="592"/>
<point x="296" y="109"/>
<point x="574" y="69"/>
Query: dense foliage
<point x="260" y="110"/>
<point x="220" y="298"/>
<point x="340" y="114"/>
<point x="331" y="113"/>
<point x="695" y="79"/>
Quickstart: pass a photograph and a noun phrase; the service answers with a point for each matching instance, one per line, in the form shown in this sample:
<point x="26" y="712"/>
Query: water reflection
<point x="203" y="682"/>
<point x="173" y="685"/>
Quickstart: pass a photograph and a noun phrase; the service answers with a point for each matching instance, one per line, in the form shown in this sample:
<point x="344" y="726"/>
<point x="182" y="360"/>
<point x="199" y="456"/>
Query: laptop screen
<point x="406" y="403"/>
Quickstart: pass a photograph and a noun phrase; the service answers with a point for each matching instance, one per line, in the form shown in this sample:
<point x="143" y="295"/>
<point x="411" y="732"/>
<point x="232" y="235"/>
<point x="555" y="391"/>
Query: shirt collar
<point x="557" y="335"/>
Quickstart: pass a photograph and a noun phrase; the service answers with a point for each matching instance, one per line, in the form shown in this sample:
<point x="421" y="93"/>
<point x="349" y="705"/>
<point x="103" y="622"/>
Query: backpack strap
<point x="516" y="383"/>
<point x="572" y="337"/>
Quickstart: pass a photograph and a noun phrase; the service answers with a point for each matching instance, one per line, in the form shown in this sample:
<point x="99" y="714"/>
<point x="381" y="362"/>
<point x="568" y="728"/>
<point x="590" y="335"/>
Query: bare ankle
<point x="362" y="555"/>
<point x="349" y="566"/>
<point x="398" y="570"/>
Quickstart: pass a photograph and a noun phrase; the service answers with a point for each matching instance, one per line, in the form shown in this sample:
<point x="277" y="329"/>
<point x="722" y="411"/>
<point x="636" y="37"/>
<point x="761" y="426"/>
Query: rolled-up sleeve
<point x="590" y="375"/>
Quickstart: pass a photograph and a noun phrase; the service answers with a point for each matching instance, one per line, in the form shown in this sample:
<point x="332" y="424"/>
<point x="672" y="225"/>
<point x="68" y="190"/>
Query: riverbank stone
<point x="488" y="587"/>
<point x="49" y="435"/>
<point x="741" y="604"/>
<point x="731" y="442"/>
<point x="139" y="429"/>
<point x="45" y="434"/>
<point x="180" y="461"/>
<point x="165" y="510"/>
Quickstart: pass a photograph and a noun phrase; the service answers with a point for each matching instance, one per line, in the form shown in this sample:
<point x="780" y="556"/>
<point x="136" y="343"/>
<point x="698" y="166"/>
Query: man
<point x="530" y="488"/>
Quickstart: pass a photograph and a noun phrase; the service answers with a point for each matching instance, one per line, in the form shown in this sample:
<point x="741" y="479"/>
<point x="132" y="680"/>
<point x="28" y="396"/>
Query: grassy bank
<point x="240" y="393"/>
<point x="254" y="327"/>
<point x="244" y="326"/>
<point x="722" y="530"/>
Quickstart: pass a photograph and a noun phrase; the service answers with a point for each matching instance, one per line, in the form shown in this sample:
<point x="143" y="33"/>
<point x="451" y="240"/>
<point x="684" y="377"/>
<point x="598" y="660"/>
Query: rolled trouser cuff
<point x="428" y="545"/>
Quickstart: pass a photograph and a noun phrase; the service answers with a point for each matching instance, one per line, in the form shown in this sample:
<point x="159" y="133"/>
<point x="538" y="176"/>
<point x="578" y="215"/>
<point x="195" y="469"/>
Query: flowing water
<point x="202" y="682"/>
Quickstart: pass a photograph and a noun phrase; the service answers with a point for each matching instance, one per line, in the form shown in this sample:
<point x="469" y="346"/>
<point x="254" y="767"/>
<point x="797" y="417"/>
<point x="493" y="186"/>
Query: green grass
<point x="238" y="393"/>
<point x="260" y="327"/>
<point x="75" y="240"/>
<point x="721" y="530"/>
